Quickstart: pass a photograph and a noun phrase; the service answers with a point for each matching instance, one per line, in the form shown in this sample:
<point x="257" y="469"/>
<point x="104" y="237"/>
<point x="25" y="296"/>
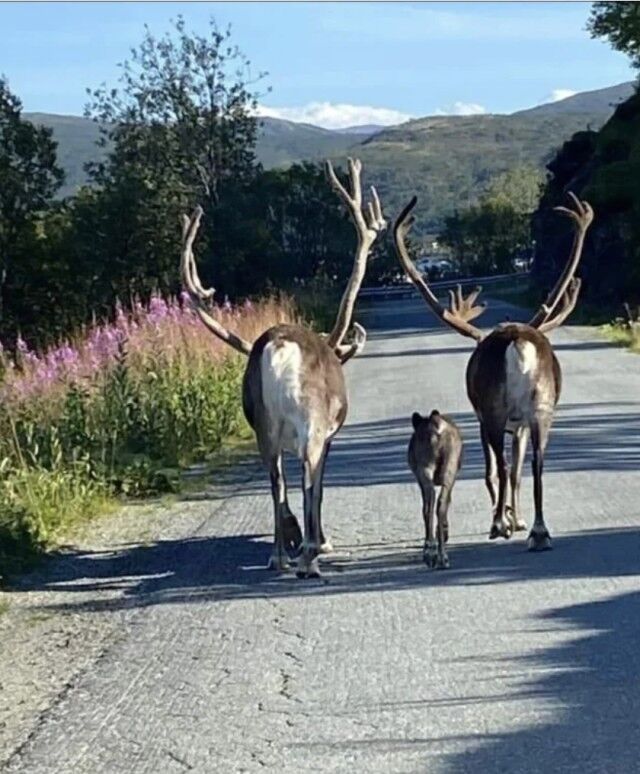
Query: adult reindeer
<point x="293" y="391"/>
<point x="513" y="376"/>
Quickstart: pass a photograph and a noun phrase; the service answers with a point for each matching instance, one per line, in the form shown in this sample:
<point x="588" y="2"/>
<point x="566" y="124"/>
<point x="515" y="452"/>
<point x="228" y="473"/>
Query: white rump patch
<point x="281" y="370"/>
<point x="521" y="363"/>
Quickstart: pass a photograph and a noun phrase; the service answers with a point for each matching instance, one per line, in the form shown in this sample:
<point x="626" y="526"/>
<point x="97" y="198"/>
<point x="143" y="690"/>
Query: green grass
<point x="620" y="333"/>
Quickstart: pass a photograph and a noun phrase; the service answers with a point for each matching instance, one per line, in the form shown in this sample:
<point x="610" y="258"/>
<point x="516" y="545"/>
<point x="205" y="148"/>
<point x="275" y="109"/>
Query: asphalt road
<point x="507" y="662"/>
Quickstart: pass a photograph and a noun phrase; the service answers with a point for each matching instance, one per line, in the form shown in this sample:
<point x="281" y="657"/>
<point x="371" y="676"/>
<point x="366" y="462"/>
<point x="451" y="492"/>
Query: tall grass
<point x="108" y="412"/>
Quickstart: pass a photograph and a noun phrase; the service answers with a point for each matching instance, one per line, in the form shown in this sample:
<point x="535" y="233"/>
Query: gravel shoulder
<point x="47" y="646"/>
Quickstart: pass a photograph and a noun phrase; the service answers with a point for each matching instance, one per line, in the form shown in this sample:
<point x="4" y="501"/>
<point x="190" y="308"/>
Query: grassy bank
<point x="620" y="332"/>
<point x="116" y="412"/>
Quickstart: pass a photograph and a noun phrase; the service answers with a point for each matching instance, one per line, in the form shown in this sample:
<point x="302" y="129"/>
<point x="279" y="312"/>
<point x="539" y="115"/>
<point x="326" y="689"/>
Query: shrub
<point x="107" y="413"/>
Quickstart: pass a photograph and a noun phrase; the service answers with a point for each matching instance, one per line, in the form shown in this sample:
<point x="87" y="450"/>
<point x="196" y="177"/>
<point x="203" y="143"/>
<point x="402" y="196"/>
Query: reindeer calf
<point x="435" y="456"/>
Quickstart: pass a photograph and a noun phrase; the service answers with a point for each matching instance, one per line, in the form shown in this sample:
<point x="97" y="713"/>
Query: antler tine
<point x="335" y="183"/>
<point x="568" y="304"/>
<point x="346" y="352"/>
<point x="197" y="293"/>
<point x="465" y="308"/>
<point x="367" y="229"/>
<point x="188" y="268"/>
<point x="378" y="218"/>
<point x="582" y="216"/>
<point x="355" y="168"/>
<point x="462" y="309"/>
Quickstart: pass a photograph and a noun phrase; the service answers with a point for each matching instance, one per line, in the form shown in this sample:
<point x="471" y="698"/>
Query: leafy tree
<point x="519" y="188"/>
<point x="620" y="23"/>
<point x="29" y="177"/>
<point x="181" y="126"/>
<point x="487" y="237"/>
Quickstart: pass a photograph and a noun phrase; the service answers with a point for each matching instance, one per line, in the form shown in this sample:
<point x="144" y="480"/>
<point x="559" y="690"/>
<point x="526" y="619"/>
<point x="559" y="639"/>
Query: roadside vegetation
<point x="116" y="411"/>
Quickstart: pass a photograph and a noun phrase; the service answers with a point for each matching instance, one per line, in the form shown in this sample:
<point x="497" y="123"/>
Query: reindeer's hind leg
<point x="291" y="533"/>
<point x="501" y="526"/>
<point x="519" y="450"/>
<point x="279" y="559"/>
<point x="539" y="538"/>
<point x="312" y="471"/>
<point x="325" y="543"/>
<point x="490" y="468"/>
<point x="444" y="500"/>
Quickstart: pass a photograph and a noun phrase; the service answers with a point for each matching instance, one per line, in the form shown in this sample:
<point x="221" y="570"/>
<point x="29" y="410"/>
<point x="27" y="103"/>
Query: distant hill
<point x="446" y="160"/>
<point x="76" y="138"/>
<point x="597" y="101"/>
<point x="281" y="143"/>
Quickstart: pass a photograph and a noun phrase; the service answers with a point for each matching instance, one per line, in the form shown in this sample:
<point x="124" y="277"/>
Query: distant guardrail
<point x="408" y="289"/>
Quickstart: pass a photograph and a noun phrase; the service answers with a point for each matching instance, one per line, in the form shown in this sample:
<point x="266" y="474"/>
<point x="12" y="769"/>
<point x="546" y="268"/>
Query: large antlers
<point x="200" y="296"/>
<point x="367" y="230"/>
<point x="562" y="299"/>
<point x="461" y="310"/>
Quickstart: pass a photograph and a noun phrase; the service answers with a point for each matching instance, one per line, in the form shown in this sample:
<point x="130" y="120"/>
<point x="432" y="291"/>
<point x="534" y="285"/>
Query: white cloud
<point x="336" y="115"/>
<point x="558" y="94"/>
<point x="461" y="109"/>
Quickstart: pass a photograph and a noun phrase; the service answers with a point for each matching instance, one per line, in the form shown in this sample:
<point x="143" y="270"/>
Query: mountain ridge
<point x="447" y="160"/>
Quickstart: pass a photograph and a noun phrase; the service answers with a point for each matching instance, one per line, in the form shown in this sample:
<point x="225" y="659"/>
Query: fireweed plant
<point x="107" y="413"/>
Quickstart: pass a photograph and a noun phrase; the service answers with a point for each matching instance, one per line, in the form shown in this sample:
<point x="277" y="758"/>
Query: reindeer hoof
<point x="500" y="529"/>
<point x="442" y="562"/>
<point x="430" y="555"/>
<point x="517" y="524"/>
<point x="539" y="540"/>
<point x="278" y="563"/>
<point x="308" y="568"/>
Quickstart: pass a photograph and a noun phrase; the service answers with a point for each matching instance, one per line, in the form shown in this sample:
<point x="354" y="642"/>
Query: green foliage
<point x="620" y="23"/>
<point x="485" y="239"/>
<point x="29" y="177"/>
<point x="518" y="188"/>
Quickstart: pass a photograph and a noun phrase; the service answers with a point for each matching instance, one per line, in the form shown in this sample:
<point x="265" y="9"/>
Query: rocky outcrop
<point x="604" y="168"/>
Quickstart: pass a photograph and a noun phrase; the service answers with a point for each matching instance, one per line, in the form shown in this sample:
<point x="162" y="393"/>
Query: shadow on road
<point x="585" y="436"/>
<point x="198" y="569"/>
<point x="592" y="684"/>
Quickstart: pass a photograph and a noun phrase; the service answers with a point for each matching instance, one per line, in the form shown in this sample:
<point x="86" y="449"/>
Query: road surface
<point x="507" y="662"/>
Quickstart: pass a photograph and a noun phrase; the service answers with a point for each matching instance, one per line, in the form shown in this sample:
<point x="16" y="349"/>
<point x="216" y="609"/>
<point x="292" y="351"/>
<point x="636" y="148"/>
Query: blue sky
<point x="334" y="64"/>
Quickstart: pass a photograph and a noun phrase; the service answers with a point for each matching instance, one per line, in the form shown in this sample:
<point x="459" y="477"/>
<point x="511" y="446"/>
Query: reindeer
<point x="293" y="392"/>
<point x="434" y="456"/>
<point x="513" y="377"/>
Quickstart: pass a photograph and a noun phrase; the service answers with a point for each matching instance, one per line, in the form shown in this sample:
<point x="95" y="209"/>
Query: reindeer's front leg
<point x="429" y="553"/>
